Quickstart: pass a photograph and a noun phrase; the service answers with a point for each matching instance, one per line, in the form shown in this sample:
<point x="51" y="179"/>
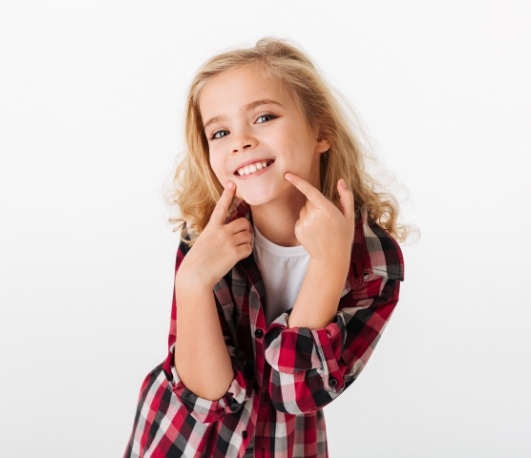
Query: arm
<point x="201" y="358"/>
<point x="239" y="388"/>
<point x="311" y="367"/>
<point x="321" y="350"/>
<point x="327" y="234"/>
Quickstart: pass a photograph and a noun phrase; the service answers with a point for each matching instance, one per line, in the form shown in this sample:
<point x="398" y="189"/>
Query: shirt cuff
<point x="206" y="410"/>
<point x="292" y="350"/>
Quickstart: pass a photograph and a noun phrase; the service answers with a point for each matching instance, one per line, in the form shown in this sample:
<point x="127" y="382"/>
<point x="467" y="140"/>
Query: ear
<point x="322" y="145"/>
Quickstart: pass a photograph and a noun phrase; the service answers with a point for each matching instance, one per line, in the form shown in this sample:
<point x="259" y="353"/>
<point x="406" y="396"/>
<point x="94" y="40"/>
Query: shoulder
<point x="376" y="251"/>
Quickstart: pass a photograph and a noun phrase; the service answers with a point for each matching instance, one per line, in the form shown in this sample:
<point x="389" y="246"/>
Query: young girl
<point x="287" y="271"/>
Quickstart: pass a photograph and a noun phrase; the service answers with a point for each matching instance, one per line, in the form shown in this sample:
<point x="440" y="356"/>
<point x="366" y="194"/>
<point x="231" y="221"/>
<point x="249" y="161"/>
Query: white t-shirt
<point x="283" y="270"/>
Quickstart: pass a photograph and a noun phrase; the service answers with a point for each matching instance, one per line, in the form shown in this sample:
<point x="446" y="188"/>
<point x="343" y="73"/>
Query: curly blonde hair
<point x="197" y="189"/>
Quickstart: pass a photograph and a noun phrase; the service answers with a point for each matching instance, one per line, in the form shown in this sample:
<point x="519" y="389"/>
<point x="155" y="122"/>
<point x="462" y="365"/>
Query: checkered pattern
<point x="283" y="377"/>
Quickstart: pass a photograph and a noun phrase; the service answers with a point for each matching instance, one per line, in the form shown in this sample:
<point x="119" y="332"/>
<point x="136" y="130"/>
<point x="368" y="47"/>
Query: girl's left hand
<point x="325" y="231"/>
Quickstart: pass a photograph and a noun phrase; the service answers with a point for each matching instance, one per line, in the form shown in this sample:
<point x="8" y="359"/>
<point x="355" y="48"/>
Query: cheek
<point x="215" y="166"/>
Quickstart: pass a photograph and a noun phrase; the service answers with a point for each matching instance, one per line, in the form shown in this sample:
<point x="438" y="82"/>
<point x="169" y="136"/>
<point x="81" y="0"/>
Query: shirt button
<point x="244" y="434"/>
<point x="332" y="382"/>
<point x="259" y="333"/>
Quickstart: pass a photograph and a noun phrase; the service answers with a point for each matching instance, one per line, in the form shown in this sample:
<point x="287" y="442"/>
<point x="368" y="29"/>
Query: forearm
<point x="201" y="356"/>
<point x="318" y="298"/>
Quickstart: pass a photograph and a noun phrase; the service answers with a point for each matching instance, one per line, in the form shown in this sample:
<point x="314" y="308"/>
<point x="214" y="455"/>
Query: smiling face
<point x="256" y="133"/>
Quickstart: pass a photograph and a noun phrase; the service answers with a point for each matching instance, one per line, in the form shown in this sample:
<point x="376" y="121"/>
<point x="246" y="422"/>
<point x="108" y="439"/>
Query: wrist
<point x="188" y="278"/>
<point x="332" y="266"/>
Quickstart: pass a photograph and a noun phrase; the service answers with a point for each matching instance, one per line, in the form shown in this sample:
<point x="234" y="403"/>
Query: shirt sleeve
<point x="205" y="410"/>
<point x="310" y="368"/>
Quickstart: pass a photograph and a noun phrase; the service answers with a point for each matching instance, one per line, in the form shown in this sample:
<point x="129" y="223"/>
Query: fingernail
<point x="230" y="185"/>
<point x="288" y="176"/>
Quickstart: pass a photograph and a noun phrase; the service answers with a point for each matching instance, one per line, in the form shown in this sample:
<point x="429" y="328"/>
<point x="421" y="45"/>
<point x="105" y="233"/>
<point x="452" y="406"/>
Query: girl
<point x="287" y="271"/>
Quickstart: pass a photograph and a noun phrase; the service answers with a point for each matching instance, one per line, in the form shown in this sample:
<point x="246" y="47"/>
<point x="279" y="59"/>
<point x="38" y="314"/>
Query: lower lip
<point x="255" y="174"/>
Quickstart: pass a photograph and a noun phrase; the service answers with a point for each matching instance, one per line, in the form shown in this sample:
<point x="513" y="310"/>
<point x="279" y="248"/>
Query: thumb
<point x="346" y="199"/>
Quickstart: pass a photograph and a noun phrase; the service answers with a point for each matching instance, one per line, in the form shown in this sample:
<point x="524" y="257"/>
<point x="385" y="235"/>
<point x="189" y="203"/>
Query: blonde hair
<point x="197" y="189"/>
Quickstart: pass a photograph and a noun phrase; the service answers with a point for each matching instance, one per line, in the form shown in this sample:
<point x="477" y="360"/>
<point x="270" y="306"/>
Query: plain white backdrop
<point x="91" y="120"/>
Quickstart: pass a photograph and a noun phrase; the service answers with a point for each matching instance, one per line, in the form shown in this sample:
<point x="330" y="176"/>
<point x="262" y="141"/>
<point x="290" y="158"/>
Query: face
<point x="256" y="133"/>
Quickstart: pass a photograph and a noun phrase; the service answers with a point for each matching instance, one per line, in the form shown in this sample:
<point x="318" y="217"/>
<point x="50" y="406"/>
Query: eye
<point x="265" y="118"/>
<point x="219" y="134"/>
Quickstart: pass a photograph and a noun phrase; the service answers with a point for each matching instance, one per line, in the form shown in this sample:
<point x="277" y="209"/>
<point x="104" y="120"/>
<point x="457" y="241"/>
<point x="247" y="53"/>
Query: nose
<point x="242" y="140"/>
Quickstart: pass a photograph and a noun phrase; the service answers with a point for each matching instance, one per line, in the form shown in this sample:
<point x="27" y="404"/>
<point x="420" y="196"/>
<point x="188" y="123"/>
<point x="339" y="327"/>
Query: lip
<point x="252" y="161"/>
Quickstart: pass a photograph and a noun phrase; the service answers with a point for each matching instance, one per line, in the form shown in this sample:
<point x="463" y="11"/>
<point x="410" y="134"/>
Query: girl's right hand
<point x="218" y="248"/>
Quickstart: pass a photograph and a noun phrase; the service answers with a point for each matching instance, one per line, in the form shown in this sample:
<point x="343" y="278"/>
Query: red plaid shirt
<point x="282" y="377"/>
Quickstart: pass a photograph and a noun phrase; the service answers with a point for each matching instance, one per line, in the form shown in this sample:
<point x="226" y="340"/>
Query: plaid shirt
<point x="283" y="377"/>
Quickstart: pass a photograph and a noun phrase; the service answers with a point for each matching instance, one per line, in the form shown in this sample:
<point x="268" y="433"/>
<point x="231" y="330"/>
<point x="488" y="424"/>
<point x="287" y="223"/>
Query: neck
<point x="276" y="220"/>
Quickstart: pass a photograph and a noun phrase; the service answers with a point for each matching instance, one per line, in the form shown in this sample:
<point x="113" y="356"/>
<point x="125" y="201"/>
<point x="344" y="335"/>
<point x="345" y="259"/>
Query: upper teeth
<point x="251" y="168"/>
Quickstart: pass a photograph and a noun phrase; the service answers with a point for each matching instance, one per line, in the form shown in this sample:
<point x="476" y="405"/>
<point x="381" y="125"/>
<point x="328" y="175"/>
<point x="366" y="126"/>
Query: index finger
<point x="310" y="191"/>
<point x="221" y="209"/>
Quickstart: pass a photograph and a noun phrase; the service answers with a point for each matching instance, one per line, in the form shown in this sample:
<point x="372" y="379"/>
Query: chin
<point x="254" y="201"/>
<point x="258" y="195"/>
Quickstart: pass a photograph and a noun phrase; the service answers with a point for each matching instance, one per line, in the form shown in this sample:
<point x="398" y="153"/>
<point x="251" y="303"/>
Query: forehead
<point x="236" y="88"/>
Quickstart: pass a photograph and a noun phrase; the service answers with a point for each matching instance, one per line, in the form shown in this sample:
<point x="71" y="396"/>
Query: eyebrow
<point x="247" y="107"/>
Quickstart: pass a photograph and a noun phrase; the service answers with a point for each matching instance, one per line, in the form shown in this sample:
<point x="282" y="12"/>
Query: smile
<point x="253" y="168"/>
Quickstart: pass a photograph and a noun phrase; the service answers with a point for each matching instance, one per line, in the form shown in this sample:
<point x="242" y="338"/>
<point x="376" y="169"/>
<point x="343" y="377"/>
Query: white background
<point x="91" y="116"/>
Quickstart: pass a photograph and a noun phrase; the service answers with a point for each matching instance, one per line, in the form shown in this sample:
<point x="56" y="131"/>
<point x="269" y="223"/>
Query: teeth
<point x="252" y="168"/>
